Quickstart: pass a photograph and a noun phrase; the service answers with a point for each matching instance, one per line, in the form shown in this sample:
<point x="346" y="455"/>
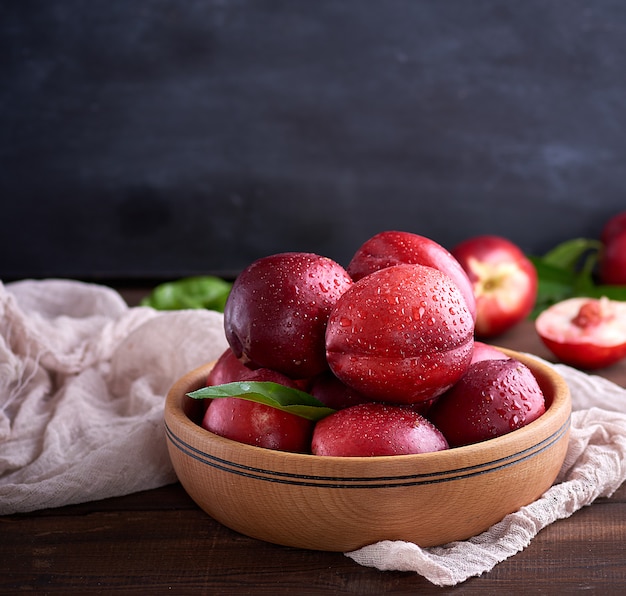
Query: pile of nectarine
<point x="386" y="346"/>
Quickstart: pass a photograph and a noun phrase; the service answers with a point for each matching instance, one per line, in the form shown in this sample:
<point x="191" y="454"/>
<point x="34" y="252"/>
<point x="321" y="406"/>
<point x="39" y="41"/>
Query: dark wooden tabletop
<point x="160" y="542"/>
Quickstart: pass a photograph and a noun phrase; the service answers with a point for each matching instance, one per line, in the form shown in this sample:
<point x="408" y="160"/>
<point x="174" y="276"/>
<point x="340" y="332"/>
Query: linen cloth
<point x="83" y="379"/>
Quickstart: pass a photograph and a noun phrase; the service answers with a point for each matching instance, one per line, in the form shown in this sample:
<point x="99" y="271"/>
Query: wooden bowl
<point x="341" y="504"/>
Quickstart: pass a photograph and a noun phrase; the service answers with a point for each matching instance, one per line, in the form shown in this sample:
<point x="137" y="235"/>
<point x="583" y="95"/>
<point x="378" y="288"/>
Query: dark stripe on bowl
<point x="365" y="482"/>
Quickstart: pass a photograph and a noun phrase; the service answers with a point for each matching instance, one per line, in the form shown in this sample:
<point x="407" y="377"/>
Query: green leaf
<point x="567" y="271"/>
<point x="272" y="394"/>
<point x="555" y="284"/>
<point x="547" y="272"/>
<point x="611" y="292"/>
<point x="569" y="254"/>
<point x="208" y="292"/>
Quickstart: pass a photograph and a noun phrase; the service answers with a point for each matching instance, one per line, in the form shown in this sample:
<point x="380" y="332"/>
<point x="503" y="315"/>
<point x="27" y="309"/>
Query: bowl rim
<point x="508" y="443"/>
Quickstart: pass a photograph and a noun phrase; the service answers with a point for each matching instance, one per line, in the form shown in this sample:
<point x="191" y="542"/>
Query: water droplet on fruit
<point x="345" y="322"/>
<point x="514" y="422"/>
<point x="417" y="312"/>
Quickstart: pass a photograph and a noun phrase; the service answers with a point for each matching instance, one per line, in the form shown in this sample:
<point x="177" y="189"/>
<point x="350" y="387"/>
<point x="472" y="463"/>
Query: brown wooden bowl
<point x="344" y="503"/>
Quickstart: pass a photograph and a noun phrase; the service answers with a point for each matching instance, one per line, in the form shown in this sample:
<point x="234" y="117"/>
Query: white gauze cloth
<point x="83" y="379"/>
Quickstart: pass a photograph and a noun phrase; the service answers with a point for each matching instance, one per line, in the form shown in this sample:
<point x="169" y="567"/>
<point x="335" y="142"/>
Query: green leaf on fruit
<point x="271" y="394"/>
<point x="208" y="292"/>
<point x="567" y="271"/>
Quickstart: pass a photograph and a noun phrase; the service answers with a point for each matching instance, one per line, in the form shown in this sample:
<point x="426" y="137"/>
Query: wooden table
<point x="159" y="542"/>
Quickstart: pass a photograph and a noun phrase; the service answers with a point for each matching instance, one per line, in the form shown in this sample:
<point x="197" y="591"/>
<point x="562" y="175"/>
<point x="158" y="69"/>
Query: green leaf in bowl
<point x="272" y="394"/>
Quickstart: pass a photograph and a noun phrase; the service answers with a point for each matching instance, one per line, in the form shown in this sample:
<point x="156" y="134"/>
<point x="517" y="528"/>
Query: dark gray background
<point x="165" y="138"/>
